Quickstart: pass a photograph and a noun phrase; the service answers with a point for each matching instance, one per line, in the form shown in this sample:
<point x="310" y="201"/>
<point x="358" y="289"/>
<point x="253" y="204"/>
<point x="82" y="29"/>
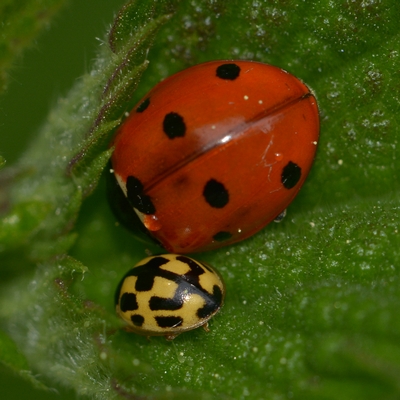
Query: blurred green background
<point x="48" y="69"/>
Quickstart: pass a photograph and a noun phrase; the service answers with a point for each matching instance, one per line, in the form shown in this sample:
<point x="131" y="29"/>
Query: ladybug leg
<point x="171" y="336"/>
<point x="280" y="217"/>
<point x="206" y="327"/>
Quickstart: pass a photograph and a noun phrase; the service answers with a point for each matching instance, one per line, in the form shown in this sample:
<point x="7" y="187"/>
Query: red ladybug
<point x="215" y="152"/>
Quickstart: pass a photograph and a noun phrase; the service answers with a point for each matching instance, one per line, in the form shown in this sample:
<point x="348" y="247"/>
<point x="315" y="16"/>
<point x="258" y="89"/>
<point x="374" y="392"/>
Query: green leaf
<point x="11" y="356"/>
<point x="77" y="133"/>
<point x="22" y="21"/>
<point x="27" y="216"/>
<point x="311" y="309"/>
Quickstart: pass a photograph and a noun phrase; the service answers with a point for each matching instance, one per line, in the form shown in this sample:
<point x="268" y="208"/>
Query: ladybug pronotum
<point x="169" y="294"/>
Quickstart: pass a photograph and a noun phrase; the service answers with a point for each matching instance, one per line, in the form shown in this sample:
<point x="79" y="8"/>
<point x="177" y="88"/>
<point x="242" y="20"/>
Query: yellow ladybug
<point x="169" y="294"/>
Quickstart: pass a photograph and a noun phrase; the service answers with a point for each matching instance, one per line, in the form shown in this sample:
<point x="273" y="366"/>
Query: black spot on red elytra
<point x="168" y="322"/>
<point x="228" y="71"/>
<point x="137" y="197"/>
<point x="222" y="236"/>
<point x="216" y="194"/>
<point x="137" y="320"/>
<point x="143" y="105"/>
<point x="290" y="175"/>
<point x="128" y="302"/>
<point x="174" y="126"/>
